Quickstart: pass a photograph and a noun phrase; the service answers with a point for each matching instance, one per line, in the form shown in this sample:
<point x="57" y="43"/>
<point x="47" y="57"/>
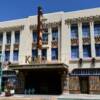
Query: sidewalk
<point x="29" y="97"/>
<point x="80" y="96"/>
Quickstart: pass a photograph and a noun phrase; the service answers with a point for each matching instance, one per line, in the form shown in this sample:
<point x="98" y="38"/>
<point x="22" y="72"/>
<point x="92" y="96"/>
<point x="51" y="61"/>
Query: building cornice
<point x="46" y="25"/>
<point x="82" y="19"/>
<point x="10" y="28"/>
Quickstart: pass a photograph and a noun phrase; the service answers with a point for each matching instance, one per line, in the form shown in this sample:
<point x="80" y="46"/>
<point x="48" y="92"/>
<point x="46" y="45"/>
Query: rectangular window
<point x="44" y="53"/>
<point x="35" y="36"/>
<point x="96" y="29"/>
<point x="34" y="53"/>
<point x="55" y="34"/>
<point x="54" y="53"/>
<point x="1" y="38"/>
<point x="74" y="31"/>
<point x="45" y="37"/>
<point x="74" y="52"/>
<point x="8" y="37"/>
<point x="17" y="36"/>
<point x="86" y="30"/>
<point x="86" y="50"/>
<point x="7" y="55"/>
<point x="97" y="48"/>
<point x="15" y="55"/>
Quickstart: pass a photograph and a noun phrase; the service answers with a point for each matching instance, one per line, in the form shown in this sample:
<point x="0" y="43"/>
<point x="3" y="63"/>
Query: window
<point x="34" y="36"/>
<point x="44" y="53"/>
<point x="96" y="29"/>
<point x="8" y="37"/>
<point x="45" y="37"/>
<point x="55" y="34"/>
<point x="74" y="52"/>
<point x="1" y="38"/>
<point x="34" y="53"/>
<point x="86" y="51"/>
<point x="7" y="55"/>
<point x="86" y="30"/>
<point x="97" y="48"/>
<point x="1" y="56"/>
<point x="54" y="53"/>
<point x="74" y="31"/>
<point x="17" y="36"/>
<point x="15" y="55"/>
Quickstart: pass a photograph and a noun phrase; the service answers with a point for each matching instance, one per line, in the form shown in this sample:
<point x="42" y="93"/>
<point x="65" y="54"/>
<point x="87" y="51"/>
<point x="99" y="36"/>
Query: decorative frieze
<point x="86" y="40"/>
<point x="97" y="39"/>
<point x="82" y="19"/>
<point x="44" y="42"/>
<point x="16" y="46"/>
<point x="46" y="25"/>
<point x="74" y="41"/>
<point x="54" y="44"/>
<point x="7" y="47"/>
<point x="10" y="28"/>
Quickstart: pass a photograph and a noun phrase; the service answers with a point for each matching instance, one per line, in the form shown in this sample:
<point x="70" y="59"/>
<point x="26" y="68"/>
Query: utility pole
<point x="39" y="33"/>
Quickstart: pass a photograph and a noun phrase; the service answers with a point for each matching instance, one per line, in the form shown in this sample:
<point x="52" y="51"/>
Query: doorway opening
<point x="43" y="82"/>
<point x="84" y="85"/>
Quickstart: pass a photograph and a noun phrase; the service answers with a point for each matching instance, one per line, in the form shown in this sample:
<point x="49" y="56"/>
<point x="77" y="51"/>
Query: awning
<point x="46" y="66"/>
<point x="86" y="72"/>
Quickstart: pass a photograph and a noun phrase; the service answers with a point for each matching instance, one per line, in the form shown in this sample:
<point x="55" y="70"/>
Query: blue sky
<point x="15" y="9"/>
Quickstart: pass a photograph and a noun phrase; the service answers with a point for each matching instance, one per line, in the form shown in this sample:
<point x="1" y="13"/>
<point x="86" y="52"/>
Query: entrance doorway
<point x="43" y="82"/>
<point x="84" y="85"/>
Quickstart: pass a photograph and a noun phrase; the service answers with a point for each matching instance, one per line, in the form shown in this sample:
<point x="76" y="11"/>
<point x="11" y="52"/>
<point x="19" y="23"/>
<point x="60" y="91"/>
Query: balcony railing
<point x="54" y="43"/>
<point x="86" y="40"/>
<point x="16" y="46"/>
<point x="97" y="39"/>
<point x="7" y="47"/>
<point x="44" y="42"/>
<point x="74" y="41"/>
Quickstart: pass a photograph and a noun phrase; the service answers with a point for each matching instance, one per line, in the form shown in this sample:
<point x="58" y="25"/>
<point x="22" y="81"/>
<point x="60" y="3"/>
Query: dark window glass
<point x="34" y="53"/>
<point x="97" y="29"/>
<point x="54" y="53"/>
<point x="45" y="37"/>
<point x="8" y="37"/>
<point x="74" y="31"/>
<point x="86" y="30"/>
<point x="55" y="34"/>
<point x="86" y="51"/>
<point x="1" y="38"/>
<point x="97" y="48"/>
<point x="44" y="53"/>
<point x="15" y="55"/>
<point x="17" y="36"/>
<point x="74" y="52"/>
<point x="7" y="55"/>
<point x="34" y="36"/>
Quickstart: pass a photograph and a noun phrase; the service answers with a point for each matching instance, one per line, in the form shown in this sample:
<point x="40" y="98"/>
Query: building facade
<point x="71" y="38"/>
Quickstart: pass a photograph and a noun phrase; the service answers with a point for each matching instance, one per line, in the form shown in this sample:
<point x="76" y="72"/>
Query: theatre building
<point x="70" y="54"/>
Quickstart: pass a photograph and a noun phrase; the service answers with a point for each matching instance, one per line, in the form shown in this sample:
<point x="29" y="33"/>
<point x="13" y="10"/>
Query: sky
<point x="16" y="9"/>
